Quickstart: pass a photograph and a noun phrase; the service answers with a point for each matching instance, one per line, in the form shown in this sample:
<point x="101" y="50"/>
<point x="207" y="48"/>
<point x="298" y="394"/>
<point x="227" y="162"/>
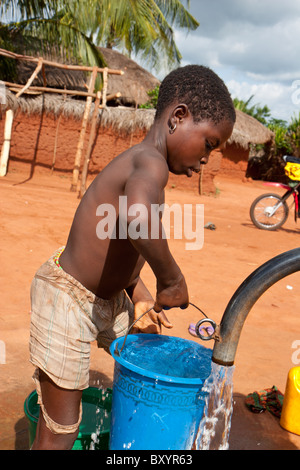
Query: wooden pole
<point x="38" y="68"/>
<point x="85" y="68"/>
<point x="9" y="116"/>
<point x="104" y="91"/>
<point x="201" y="179"/>
<point x="82" y="132"/>
<point x="55" y="144"/>
<point x="85" y="168"/>
<point x="56" y="140"/>
<point x="15" y="86"/>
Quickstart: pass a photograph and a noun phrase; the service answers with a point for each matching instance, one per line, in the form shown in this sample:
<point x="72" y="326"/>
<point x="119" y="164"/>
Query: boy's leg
<point x="59" y="419"/>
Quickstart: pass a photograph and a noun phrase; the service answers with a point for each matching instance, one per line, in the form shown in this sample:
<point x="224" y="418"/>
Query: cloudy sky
<point x="254" y="45"/>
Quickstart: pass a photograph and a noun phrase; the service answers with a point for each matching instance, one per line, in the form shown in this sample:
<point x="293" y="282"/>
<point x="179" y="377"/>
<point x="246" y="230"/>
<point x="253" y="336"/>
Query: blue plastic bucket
<point x="157" y="400"/>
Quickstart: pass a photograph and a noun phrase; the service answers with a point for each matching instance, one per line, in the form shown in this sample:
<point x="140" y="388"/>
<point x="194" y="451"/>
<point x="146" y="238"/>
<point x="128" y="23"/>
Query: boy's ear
<point x="180" y="112"/>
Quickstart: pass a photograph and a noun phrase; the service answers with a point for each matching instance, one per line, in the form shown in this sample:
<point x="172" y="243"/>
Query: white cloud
<point x="252" y="44"/>
<point x="279" y="98"/>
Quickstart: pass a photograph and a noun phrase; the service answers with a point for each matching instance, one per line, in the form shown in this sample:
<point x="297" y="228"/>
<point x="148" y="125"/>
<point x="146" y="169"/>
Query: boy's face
<point x="191" y="143"/>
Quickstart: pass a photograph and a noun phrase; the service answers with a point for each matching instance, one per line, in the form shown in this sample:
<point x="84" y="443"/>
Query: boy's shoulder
<point x="149" y="158"/>
<point x="146" y="154"/>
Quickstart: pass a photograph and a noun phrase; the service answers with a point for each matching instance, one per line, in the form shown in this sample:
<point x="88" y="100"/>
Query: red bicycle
<point x="270" y="211"/>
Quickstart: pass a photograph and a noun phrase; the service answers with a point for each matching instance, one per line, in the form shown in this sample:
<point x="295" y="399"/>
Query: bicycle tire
<point x="259" y="212"/>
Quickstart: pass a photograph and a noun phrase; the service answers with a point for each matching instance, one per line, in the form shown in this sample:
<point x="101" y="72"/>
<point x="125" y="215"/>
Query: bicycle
<point x="270" y="211"/>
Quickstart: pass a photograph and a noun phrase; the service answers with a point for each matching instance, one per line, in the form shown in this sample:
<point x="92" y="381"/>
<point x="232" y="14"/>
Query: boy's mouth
<point x="190" y="171"/>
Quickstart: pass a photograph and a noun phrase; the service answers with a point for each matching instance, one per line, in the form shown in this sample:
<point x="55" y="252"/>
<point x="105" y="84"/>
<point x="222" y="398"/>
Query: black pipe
<point x="245" y="297"/>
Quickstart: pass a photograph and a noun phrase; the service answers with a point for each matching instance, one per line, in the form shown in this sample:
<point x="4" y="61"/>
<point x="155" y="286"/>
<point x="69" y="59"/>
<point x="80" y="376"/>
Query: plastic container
<point x="290" y="414"/>
<point x="95" y="425"/>
<point x="157" y="400"/>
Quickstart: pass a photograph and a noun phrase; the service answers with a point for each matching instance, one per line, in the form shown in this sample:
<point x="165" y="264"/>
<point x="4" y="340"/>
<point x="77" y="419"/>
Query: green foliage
<point x="287" y="135"/>
<point x="294" y="134"/>
<point x="48" y="27"/>
<point x="153" y="95"/>
<point x="75" y="27"/>
<point x="260" y="113"/>
<point x="282" y="142"/>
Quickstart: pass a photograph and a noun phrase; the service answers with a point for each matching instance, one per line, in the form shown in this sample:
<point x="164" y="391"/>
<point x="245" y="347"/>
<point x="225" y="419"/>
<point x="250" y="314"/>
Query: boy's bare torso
<point x="107" y="266"/>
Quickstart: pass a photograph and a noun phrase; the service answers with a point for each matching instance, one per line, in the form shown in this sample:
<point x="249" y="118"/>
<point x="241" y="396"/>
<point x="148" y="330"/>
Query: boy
<point x="91" y="289"/>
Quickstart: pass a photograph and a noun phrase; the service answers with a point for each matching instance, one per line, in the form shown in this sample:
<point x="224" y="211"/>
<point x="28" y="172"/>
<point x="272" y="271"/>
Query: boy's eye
<point x="208" y="145"/>
<point x="211" y="145"/>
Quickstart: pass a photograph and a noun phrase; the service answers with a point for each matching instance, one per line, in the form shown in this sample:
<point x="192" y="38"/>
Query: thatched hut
<point x="247" y="133"/>
<point x="234" y="157"/>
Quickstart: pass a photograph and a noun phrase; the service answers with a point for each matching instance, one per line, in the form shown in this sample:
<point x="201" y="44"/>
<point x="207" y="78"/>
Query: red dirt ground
<point x="35" y="220"/>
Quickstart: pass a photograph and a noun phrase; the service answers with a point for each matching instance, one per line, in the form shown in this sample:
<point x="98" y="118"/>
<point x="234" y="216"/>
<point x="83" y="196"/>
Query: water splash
<point x="214" y="429"/>
<point x="101" y="417"/>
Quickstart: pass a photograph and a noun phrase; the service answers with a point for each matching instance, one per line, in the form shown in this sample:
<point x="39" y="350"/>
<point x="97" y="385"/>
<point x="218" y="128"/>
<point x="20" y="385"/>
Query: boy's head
<point x="204" y="93"/>
<point x="198" y="114"/>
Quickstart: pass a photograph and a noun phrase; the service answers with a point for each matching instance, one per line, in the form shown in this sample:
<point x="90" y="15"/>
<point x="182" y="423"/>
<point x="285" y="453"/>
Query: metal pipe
<point x="245" y="297"/>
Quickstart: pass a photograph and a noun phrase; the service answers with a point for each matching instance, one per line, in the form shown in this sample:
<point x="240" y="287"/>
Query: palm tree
<point x="143" y="28"/>
<point x="48" y="27"/>
<point x="294" y="134"/>
<point x="256" y="111"/>
<point x="73" y="28"/>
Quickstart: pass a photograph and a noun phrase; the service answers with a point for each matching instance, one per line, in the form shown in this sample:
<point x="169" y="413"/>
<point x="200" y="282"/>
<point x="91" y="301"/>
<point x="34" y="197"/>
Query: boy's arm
<point x="143" y="301"/>
<point x="145" y="187"/>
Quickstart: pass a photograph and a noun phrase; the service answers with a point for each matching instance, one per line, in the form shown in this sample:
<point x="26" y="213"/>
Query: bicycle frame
<point x="289" y="191"/>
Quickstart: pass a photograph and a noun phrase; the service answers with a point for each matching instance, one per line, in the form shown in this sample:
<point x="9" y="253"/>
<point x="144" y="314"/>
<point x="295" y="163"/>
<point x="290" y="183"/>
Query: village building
<point x="47" y="126"/>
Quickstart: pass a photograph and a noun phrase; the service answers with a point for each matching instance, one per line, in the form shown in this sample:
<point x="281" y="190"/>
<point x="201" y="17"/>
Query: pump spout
<point x="245" y="297"/>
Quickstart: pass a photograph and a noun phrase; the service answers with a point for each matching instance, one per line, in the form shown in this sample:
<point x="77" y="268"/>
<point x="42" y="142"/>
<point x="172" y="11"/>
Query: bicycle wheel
<point x="269" y="212"/>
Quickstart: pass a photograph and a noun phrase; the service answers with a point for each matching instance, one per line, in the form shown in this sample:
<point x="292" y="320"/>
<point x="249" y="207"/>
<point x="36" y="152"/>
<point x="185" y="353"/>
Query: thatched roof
<point x="248" y="130"/>
<point x="133" y="85"/>
<point x="126" y="120"/>
<point x="122" y="119"/>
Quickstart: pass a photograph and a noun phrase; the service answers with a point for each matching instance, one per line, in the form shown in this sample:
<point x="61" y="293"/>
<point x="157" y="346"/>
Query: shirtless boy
<point x="91" y="289"/>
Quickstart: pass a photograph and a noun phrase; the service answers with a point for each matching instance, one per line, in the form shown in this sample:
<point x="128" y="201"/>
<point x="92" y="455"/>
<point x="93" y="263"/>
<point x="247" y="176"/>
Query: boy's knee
<point x="50" y="434"/>
<point x="54" y="436"/>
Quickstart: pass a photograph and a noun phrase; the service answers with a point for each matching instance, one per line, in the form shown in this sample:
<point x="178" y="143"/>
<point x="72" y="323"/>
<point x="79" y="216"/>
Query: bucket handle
<point x="198" y="330"/>
<point x="117" y="352"/>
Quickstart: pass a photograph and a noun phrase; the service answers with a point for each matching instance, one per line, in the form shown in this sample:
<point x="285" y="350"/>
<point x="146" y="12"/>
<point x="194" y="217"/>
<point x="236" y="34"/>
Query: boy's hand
<point x="173" y="295"/>
<point x="151" y="322"/>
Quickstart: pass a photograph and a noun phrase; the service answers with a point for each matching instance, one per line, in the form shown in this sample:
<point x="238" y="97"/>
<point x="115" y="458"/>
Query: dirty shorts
<point x="65" y="319"/>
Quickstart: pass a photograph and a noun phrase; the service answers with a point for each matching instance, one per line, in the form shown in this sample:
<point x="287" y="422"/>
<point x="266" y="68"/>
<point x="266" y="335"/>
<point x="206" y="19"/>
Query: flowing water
<point x="100" y="419"/>
<point x="214" y="429"/>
